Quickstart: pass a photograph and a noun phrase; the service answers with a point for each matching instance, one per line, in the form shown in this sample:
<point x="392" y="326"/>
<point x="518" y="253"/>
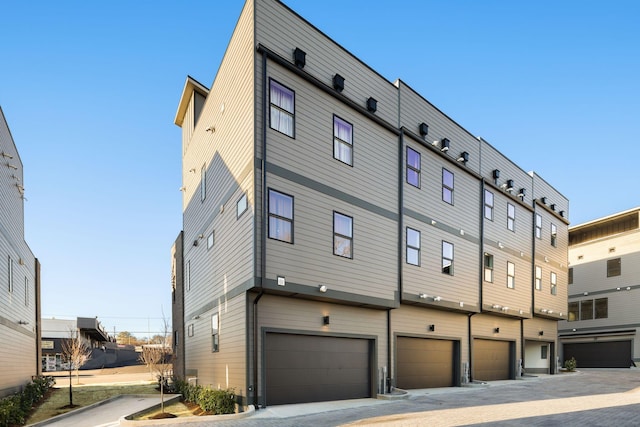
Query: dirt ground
<point x="138" y="374"/>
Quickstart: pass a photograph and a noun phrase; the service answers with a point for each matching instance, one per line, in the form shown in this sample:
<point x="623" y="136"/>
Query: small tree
<point x="76" y="353"/>
<point x="157" y="357"/>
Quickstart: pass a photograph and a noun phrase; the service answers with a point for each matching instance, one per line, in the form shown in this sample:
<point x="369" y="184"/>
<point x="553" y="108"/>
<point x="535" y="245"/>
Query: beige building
<point x="19" y="276"/>
<point x="341" y="235"/>
<point x="604" y="290"/>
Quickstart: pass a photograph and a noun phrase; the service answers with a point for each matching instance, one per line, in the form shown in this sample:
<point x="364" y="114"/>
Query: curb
<point x="127" y="421"/>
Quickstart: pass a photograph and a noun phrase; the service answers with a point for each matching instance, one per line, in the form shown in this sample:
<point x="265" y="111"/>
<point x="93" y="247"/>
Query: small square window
<point x="282" y="108"/>
<point x="342" y="140"/>
<point x="614" y="267"/>
<point x="413" y="167"/>
<point x="342" y="235"/>
<point x="241" y="205"/>
<point x="447" y="186"/>
<point x="413" y="246"/>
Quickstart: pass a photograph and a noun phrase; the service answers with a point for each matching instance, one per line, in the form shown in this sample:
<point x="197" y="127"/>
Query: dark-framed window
<point x="571" y="275"/>
<point x="488" y="267"/>
<point x="511" y="217"/>
<point x="614" y="267"/>
<point x="553" y="279"/>
<point x="511" y="275"/>
<point x="26" y="292"/>
<point x="574" y="311"/>
<point x="281" y="108"/>
<point x="10" y="274"/>
<point x="447" y="186"/>
<point x="241" y="205"/>
<point x="544" y="351"/>
<point x="190" y="330"/>
<point x="447" y="258"/>
<point x="280" y="216"/>
<point x="215" y="332"/>
<point x="342" y="140"/>
<point x="601" y="306"/>
<point x="413" y="167"/>
<point x="488" y="205"/>
<point x="413" y="246"/>
<point x="203" y="182"/>
<point x="539" y="226"/>
<point x="187" y="275"/>
<point x="538" y="278"/>
<point x="342" y="235"/>
<point x="586" y="309"/>
<point x="554" y="235"/>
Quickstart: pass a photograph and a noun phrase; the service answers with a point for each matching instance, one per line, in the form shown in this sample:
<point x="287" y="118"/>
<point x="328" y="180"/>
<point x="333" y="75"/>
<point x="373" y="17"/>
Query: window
<point x="241" y="205"/>
<point x="511" y="217"/>
<point x="601" y="308"/>
<point x="571" y="275"/>
<point x="413" y="246"/>
<point x="614" y="267"/>
<point x="586" y="309"/>
<point x="543" y="352"/>
<point x="175" y="339"/>
<point x="447" y="186"/>
<point x="342" y="235"/>
<point x="447" y="258"/>
<point x="511" y="275"/>
<point x="10" y="276"/>
<point x="210" y="240"/>
<point x="554" y="283"/>
<point x="342" y="140"/>
<point x="413" y="167"/>
<point x="282" y="108"/>
<point x="187" y="275"/>
<point x="488" y="205"/>
<point x="215" y="332"/>
<point x="538" y="278"/>
<point x="203" y="182"/>
<point x="538" y="226"/>
<point x="190" y="330"/>
<point x="26" y="292"/>
<point x="574" y="311"/>
<point x="554" y="235"/>
<point x="488" y="267"/>
<point x="280" y="216"/>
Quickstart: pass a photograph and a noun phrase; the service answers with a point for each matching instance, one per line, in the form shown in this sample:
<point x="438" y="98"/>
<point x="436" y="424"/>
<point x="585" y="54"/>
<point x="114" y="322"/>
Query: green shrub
<point x="217" y="401"/>
<point x="15" y="408"/>
<point x="571" y="364"/>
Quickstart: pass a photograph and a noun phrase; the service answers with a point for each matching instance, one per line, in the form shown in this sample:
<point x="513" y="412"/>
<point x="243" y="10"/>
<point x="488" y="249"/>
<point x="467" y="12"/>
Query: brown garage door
<point x="307" y="368"/>
<point x="424" y="363"/>
<point x="607" y="354"/>
<point x="491" y="360"/>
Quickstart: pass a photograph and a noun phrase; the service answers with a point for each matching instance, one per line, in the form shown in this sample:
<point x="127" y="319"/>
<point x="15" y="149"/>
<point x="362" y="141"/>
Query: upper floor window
<point x="554" y="235"/>
<point x="413" y="246"/>
<point x="601" y="308"/>
<point x="447" y="258"/>
<point x="215" y="332"/>
<point x="538" y="278"/>
<point x="488" y="205"/>
<point x="413" y="167"/>
<point x="447" y="186"/>
<point x="571" y="275"/>
<point x="187" y="275"/>
<point x="554" y="283"/>
<point x="282" y="108"/>
<point x="280" y="216"/>
<point x="342" y="140"/>
<point x="614" y="267"/>
<point x="203" y="182"/>
<point x="574" y="311"/>
<point x="10" y="275"/>
<point x="210" y="240"/>
<point x="342" y="235"/>
<point x="511" y="275"/>
<point x="586" y="309"/>
<point x="488" y="267"/>
<point x="26" y="292"/>
<point x="241" y="205"/>
<point x="538" y="226"/>
<point x="511" y="217"/>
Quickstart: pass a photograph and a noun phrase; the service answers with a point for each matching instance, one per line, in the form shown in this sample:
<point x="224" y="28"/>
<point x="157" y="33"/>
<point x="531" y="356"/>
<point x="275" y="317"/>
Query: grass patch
<point x="57" y="402"/>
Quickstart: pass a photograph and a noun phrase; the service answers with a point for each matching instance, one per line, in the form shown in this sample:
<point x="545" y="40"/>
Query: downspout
<point x="263" y="222"/>
<point x="480" y="279"/>
<point x="400" y="234"/>
<point x="470" y="342"/>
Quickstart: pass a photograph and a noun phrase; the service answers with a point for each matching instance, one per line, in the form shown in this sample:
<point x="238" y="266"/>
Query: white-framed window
<point x="187" y="275"/>
<point x="538" y="278"/>
<point x="447" y="186"/>
<point x="282" y="108"/>
<point x="215" y="332"/>
<point x="342" y="235"/>
<point x="10" y="275"/>
<point x="488" y="267"/>
<point x="413" y="167"/>
<point x="342" y="140"/>
<point x="26" y="292"/>
<point x="511" y="217"/>
<point x="241" y="205"/>
<point x="210" y="240"/>
<point x="538" y="226"/>
<point x="554" y="235"/>
<point x="413" y="246"/>
<point x="488" y="205"/>
<point x="511" y="275"/>
<point x="554" y="283"/>
<point x="190" y="330"/>
<point x="447" y="258"/>
<point x="203" y="182"/>
<point x="280" y="216"/>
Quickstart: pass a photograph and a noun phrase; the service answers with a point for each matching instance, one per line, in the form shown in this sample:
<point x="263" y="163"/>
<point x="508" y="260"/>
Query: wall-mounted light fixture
<point x="436" y="299"/>
<point x="541" y="333"/>
<point x="322" y="288"/>
<point x="543" y="310"/>
<point x="22" y="322"/>
<point x="461" y="303"/>
<point x="464" y="157"/>
<point x="325" y="320"/>
<point x="501" y="245"/>
<point x="211" y="129"/>
<point x="496" y="175"/>
<point x="496" y="306"/>
<point x="281" y="281"/>
<point x="192" y="170"/>
<point x="522" y="193"/>
<point x="372" y="105"/>
<point x="585" y="293"/>
<point x="195" y="242"/>
<point x="574" y="329"/>
<point x="553" y="206"/>
<point x="550" y="312"/>
<point x="14" y="167"/>
<point x="299" y="57"/>
<point x="7" y="155"/>
<point x="628" y="288"/>
<point x="543" y="200"/>
<point x="496" y="330"/>
<point x="432" y="328"/>
<point x="505" y="309"/>
<point x="562" y="214"/>
<point x="423" y="296"/>
<point x="444" y="145"/>
<point x="509" y="185"/>
<point x="424" y="129"/>
<point x="338" y="82"/>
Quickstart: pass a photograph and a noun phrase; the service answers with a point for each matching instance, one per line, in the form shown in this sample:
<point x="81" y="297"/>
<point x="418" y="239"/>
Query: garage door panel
<point x="424" y="363"/>
<point x="604" y="354"/>
<point x="307" y="368"/>
<point x="491" y="360"/>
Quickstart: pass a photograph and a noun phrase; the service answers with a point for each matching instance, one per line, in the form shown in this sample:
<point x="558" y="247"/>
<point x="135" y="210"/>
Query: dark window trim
<point x="451" y="267"/>
<point x="417" y="171"/>
<point x="406" y="237"/>
<point x="446" y="187"/>
<point x="203" y="182"/>
<point x="291" y="220"/>
<point x="333" y="121"/>
<point x="614" y="270"/>
<point x="342" y="235"/>
<point x="293" y="114"/>
<point x="487" y="267"/>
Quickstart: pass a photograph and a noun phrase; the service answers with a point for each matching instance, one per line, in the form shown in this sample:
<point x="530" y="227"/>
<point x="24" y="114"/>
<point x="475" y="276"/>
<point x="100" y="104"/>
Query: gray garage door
<point x="607" y="354"/>
<point x="491" y="360"/>
<point x="424" y="363"/>
<point x="306" y="368"/>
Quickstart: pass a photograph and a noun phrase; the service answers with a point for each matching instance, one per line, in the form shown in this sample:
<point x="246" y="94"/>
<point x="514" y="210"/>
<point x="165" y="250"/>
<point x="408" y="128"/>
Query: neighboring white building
<point x="604" y="292"/>
<point x="19" y="276"/>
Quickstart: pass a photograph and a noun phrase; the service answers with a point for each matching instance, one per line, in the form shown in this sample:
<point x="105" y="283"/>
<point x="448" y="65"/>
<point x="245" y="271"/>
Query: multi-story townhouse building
<point x="604" y="291"/>
<point x="341" y="235"/>
<point x="19" y="276"/>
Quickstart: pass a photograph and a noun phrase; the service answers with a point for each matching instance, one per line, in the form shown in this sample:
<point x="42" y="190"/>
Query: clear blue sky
<point x="90" y="90"/>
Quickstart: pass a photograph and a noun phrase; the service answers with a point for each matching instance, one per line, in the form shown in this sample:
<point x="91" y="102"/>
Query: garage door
<point x="424" y="363"/>
<point x="607" y="354"/>
<point x="306" y="368"/>
<point x="491" y="360"/>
